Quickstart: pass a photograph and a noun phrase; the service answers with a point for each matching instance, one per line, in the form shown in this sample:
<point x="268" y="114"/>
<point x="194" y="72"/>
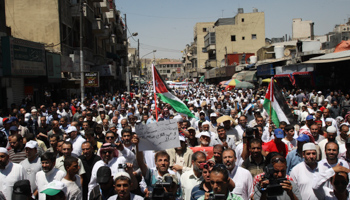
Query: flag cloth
<point x="201" y="80"/>
<point x="208" y="151"/>
<point x="163" y="92"/>
<point x="276" y="105"/>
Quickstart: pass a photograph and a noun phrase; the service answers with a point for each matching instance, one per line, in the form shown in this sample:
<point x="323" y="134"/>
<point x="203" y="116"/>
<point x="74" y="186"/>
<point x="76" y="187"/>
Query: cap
<point x="326" y="100"/>
<point x="213" y="115"/>
<point x="310" y="117"/>
<point x="21" y="190"/>
<point x="331" y="129"/>
<point x="104" y="173"/>
<point x="203" y="133"/>
<point x="34" y="110"/>
<point x="175" y="180"/>
<point x="190" y="128"/>
<point x="319" y="92"/>
<point x="119" y="174"/>
<point x="13" y="128"/>
<point x="32" y="144"/>
<point x="329" y="119"/>
<point x="205" y="123"/>
<point x="303" y="138"/>
<point x="4" y="150"/>
<point x="71" y="129"/>
<point x="178" y="118"/>
<point x="182" y="138"/>
<point x="309" y="146"/>
<point x="54" y="188"/>
<point x="279" y="133"/>
<point x="12" y="119"/>
<point x="4" y="120"/>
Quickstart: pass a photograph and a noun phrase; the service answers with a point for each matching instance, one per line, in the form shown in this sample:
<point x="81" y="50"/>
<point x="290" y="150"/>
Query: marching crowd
<point x="89" y="150"/>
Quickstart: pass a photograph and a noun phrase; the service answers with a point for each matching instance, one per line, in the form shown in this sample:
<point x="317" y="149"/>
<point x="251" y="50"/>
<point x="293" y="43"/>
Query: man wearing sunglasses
<point x="220" y="184"/>
<point x="110" y="157"/>
<point x="204" y="186"/>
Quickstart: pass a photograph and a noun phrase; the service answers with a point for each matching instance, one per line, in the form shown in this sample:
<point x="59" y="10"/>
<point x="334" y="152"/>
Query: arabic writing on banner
<point x="158" y="136"/>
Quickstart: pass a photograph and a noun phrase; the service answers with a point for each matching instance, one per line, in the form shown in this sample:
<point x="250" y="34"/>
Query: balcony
<point x="210" y="63"/>
<point x="97" y="26"/>
<point x="87" y="12"/>
<point x="103" y="5"/>
<point x="210" y="48"/>
<point x="110" y="15"/>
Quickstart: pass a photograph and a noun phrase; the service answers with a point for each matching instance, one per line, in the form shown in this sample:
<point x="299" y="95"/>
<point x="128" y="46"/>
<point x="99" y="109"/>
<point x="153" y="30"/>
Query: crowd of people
<point x="89" y="150"/>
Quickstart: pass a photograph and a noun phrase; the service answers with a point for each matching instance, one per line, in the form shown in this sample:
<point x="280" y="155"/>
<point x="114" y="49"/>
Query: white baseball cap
<point x="32" y="144"/>
<point x="203" y="133"/>
<point x="119" y="174"/>
<point x="71" y="129"/>
<point x="4" y="150"/>
<point x="54" y="188"/>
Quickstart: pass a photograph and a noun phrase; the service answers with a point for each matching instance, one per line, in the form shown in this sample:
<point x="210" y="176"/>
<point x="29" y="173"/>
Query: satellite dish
<point x="286" y="52"/>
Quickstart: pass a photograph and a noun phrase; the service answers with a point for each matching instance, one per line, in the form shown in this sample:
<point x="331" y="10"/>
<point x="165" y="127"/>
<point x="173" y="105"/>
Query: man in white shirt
<point x="331" y="135"/>
<point x="242" y="123"/>
<point x="10" y="173"/>
<point x="110" y="158"/>
<point x="76" y="140"/>
<point x="304" y="171"/>
<point x="47" y="174"/>
<point x="193" y="177"/>
<point x="241" y="177"/>
<point x="32" y="164"/>
<point x="326" y="166"/>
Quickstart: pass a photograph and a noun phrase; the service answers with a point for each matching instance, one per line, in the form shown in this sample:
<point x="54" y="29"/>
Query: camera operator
<point x="275" y="184"/>
<point x="172" y="189"/>
<point x="204" y="186"/>
<point x="122" y="186"/>
<point x="219" y="182"/>
<point x="248" y="135"/>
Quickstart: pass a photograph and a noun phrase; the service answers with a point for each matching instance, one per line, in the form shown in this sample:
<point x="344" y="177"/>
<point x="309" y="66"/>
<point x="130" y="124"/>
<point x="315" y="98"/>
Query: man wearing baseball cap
<point x="10" y="173"/>
<point x="76" y="139"/>
<point x="21" y="190"/>
<point x="105" y="184"/>
<point x="55" y="190"/>
<point x="32" y="164"/>
<point x="276" y="145"/>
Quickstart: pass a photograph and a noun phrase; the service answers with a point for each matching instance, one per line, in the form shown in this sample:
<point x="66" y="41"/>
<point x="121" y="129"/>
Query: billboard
<point x="91" y="79"/>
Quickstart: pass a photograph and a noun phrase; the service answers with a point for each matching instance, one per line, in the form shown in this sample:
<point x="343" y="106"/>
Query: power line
<point x="186" y="18"/>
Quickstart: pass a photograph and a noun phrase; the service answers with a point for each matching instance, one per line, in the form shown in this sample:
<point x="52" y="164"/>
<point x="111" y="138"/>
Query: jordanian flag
<point x="276" y="105"/>
<point x="163" y="92"/>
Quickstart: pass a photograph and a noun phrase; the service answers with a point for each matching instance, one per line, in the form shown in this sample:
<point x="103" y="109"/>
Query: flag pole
<point x="154" y="91"/>
<point x="270" y="102"/>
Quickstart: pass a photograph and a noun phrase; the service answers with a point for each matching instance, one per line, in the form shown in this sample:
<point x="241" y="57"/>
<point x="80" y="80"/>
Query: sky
<point x="167" y="26"/>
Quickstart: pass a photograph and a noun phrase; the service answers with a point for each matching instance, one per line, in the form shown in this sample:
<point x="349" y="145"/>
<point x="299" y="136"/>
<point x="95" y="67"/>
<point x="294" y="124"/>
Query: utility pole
<point x="126" y="57"/>
<point x="81" y="53"/>
<point x="139" y="63"/>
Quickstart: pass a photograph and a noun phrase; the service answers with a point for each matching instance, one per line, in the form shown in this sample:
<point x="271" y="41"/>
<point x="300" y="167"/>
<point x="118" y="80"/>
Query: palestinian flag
<point x="276" y="105"/>
<point x="163" y="92"/>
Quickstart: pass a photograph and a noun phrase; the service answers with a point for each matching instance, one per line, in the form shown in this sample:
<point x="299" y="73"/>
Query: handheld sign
<point x="158" y="136"/>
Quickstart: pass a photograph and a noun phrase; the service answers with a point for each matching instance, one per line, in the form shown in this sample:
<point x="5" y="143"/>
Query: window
<point x="253" y="36"/>
<point x="242" y="19"/>
<point x="168" y="71"/>
<point x="233" y="38"/>
<point x="204" y="29"/>
<point x="243" y="38"/>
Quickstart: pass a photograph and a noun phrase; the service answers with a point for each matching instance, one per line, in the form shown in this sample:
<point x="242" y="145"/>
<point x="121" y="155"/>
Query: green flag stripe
<point x="177" y="104"/>
<point x="273" y="116"/>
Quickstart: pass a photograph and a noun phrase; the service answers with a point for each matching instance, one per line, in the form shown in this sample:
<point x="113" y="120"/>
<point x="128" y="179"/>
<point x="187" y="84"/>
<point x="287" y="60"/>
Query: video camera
<point x="158" y="192"/>
<point x="274" y="188"/>
<point x="216" y="196"/>
<point x="250" y="132"/>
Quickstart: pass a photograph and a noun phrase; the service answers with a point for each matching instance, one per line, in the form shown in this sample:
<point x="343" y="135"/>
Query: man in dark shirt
<point x="204" y="186"/>
<point x="42" y="131"/>
<point x="255" y="163"/>
<point x="88" y="159"/>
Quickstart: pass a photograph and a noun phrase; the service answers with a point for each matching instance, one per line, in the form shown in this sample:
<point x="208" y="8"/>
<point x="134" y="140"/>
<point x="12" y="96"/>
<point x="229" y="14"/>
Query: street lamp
<point x="145" y="66"/>
<point x="127" y="62"/>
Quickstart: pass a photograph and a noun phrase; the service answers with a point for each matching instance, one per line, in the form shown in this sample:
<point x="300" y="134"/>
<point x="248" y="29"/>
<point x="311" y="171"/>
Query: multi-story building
<point x="56" y="25"/>
<point x="170" y="69"/>
<point x="194" y="53"/>
<point x="243" y="33"/>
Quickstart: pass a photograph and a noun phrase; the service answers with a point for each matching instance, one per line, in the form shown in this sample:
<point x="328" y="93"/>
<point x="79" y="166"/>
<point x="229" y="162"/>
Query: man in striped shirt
<point x="17" y="152"/>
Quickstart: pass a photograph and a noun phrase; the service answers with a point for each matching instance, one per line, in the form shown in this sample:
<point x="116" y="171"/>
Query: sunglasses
<point x="105" y="152"/>
<point x="278" y="159"/>
<point x="111" y="137"/>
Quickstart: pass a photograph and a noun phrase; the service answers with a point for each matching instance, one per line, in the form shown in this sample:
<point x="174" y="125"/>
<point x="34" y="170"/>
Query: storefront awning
<point x="285" y="76"/>
<point x="331" y="57"/>
<point x="295" y="81"/>
<point x="240" y="75"/>
<point x="250" y="76"/>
